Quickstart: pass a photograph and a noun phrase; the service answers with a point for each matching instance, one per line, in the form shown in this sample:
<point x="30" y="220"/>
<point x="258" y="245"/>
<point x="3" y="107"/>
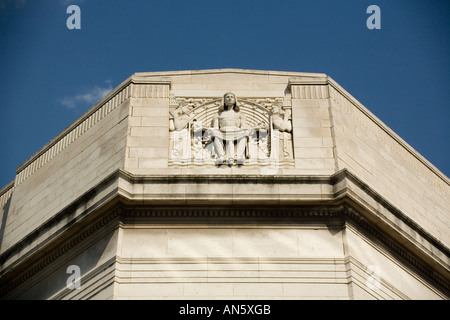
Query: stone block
<point x="258" y="289"/>
<point x="149" y="132"/>
<point x="199" y="243"/>
<point x="157" y="162"/>
<point x="148" y="152"/>
<point x="320" y="113"/>
<point x="208" y="290"/>
<point x="149" y="112"/>
<point x="315" y="290"/>
<point x="305" y="103"/>
<point x="155" y="290"/>
<point x="307" y="122"/>
<point x="311" y="132"/>
<point x="155" y="121"/>
<point x="313" y="153"/>
<point x="309" y="142"/>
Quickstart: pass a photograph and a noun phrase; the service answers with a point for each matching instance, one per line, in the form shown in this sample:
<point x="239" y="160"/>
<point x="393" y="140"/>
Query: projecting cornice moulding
<point x="343" y="187"/>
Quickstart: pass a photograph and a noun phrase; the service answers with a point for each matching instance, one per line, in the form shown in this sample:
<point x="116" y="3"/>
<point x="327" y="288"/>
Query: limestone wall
<point x="260" y="262"/>
<point x="393" y="169"/>
<point x="74" y="162"/>
<point x="374" y="273"/>
<point x="85" y="272"/>
<point x="5" y="203"/>
<point x="148" y="134"/>
<point x="148" y="147"/>
<point x="312" y="130"/>
<point x="195" y="262"/>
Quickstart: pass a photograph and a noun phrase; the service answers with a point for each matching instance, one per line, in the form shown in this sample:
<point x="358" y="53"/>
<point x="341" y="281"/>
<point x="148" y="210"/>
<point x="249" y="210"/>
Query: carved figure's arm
<point x="286" y="123"/>
<point x="242" y="121"/>
<point x="180" y="122"/>
<point x="215" y="122"/>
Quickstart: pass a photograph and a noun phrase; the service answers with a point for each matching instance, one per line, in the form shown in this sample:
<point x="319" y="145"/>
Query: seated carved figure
<point x="228" y="130"/>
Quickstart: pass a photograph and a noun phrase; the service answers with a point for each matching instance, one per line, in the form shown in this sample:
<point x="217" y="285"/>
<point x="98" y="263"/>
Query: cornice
<point x="346" y="174"/>
<point x="74" y="213"/>
<point x="337" y="182"/>
<point x="441" y="279"/>
<point x="225" y="178"/>
<point x="320" y="214"/>
<point x="227" y="70"/>
<point x="57" y="253"/>
<point x="6" y="188"/>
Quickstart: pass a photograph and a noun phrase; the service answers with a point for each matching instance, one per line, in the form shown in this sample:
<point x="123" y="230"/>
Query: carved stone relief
<point x="229" y="130"/>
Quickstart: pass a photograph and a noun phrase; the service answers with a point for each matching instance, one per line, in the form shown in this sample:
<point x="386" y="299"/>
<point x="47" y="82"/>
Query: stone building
<point x="220" y="184"/>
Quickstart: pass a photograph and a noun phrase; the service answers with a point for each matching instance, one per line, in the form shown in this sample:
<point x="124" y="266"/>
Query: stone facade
<point x="291" y="189"/>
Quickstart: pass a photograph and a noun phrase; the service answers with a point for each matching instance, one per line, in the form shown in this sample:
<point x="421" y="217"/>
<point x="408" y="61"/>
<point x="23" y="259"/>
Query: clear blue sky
<point x="50" y="75"/>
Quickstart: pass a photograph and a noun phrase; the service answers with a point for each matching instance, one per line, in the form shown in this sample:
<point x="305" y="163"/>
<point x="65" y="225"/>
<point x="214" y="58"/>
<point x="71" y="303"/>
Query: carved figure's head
<point x="183" y="108"/>
<point x="276" y="108"/>
<point x="229" y="101"/>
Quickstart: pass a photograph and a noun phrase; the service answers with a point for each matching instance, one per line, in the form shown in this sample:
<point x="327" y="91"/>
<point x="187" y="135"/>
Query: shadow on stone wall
<point x="5" y="210"/>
